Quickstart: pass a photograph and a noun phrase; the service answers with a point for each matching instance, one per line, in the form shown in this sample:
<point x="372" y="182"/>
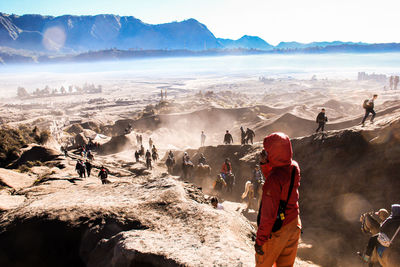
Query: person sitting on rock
<point x="215" y="204"/>
<point x="250" y="136"/>
<point x="228" y="139"/>
<point x="88" y="167"/>
<point x="226" y="169"/>
<point x="389" y="229"/>
<point x="103" y="174"/>
<point x="202" y="159"/>
<point x="148" y="160"/>
<point x="321" y="120"/>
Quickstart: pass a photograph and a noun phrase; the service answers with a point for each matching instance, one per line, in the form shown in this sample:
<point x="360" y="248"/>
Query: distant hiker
<point x="154" y="155"/>
<point x="187" y="166"/>
<point x="389" y="230"/>
<point x="103" y="174"/>
<point x="202" y="139"/>
<point x="215" y="204"/>
<point x="202" y="159"/>
<point x="171" y="154"/>
<point x="88" y="167"/>
<point x="154" y="149"/>
<point x="141" y="151"/>
<point x="150" y="143"/>
<point x="257" y="180"/>
<point x="278" y="219"/>
<point x="137" y="155"/>
<point x="391" y="80"/>
<point x="228" y="139"/>
<point x="321" y="120"/>
<point x="368" y="105"/>
<point x="242" y="136"/>
<point x="80" y="168"/>
<point x="170" y="162"/>
<point x="148" y="160"/>
<point x="249" y="136"/>
<point x="141" y="140"/>
<point x="395" y="82"/>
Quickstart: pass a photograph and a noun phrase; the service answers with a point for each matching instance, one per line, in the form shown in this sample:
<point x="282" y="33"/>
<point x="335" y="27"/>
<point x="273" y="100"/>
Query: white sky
<point x="274" y="21"/>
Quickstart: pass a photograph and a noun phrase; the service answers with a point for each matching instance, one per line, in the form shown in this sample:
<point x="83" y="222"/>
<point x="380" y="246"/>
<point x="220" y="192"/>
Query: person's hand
<point x="263" y="157"/>
<point x="258" y="249"/>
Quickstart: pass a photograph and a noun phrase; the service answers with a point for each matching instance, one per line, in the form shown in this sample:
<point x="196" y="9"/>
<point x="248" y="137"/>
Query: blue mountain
<point x="246" y="42"/>
<point x="83" y="33"/>
<point x="297" y="45"/>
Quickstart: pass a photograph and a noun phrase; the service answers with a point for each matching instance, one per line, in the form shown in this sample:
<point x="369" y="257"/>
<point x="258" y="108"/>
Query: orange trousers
<point x="281" y="249"/>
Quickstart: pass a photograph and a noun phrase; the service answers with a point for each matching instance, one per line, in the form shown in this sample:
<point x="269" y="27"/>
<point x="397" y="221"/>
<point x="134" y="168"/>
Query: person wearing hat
<point x="388" y="231"/>
<point x="382" y="214"/>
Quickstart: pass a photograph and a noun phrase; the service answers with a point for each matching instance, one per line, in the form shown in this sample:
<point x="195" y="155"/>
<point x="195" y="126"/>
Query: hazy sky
<point x="274" y="21"/>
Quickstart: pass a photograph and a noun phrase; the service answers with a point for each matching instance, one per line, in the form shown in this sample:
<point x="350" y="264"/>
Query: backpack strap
<point x="290" y="188"/>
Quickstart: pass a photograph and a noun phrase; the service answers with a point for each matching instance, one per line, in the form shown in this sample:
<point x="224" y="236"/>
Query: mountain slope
<point x="82" y="33"/>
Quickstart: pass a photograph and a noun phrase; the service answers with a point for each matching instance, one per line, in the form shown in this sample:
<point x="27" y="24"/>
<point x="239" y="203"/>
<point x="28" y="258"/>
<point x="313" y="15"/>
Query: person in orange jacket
<point x="278" y="245"/>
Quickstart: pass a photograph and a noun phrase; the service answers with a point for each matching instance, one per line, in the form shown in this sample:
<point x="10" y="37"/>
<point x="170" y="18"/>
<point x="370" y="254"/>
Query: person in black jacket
<point x="228" y="139"/>
<point x="88" y="167"/>
<point x="369" y="108"/>
<point x="321" y="120"/>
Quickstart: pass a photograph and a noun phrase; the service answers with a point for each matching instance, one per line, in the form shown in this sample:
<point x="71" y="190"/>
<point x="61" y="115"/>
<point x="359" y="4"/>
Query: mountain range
<point x="36" y="37"/>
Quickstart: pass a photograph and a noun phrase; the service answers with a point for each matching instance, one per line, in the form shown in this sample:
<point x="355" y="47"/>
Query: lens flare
<point x="54" y="38"/>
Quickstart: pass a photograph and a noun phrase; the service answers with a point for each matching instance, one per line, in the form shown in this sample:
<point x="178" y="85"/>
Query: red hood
<point x="279" y="149"/>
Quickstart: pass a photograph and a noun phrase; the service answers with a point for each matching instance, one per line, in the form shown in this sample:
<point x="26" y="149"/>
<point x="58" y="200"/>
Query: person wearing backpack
<point x="321" y="120"/>
<point x="368" y="105"/>
<point x="279" y="224"/>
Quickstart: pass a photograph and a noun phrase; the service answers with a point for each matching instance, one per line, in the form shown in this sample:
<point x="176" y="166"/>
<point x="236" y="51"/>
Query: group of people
<point x="83" y="168"/>
<point x="368" y="106"/>
<point x="150" y="155"/>
<point x="246" y="136"/>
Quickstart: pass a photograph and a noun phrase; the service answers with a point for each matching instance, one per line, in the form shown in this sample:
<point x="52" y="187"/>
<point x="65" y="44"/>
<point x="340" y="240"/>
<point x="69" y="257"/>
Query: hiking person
<point x="148" y="160"/>
<point x="369" y="108"/>
<point x="150" y="143"/>
<point x="137" y="140"/>
<point x="202" y="159"/>
<point x="278" y="218"/>
<point x="391" y="80"/>
<point x="141" y="151"/>
<point x="153" y="149"/>
<point x="215" y="204"/>
<point x="137" y="155"/>
<point x="88" y="167"/>
<point x="249" y="135"/>
<point x="389" y="230"/>
<point x="202" y="139"/>
<point x="395" y="82"/>
<point x="187" y="166"/>
<point x="228" y="139"/>
<point x="83" y="169"/>
<point x="141" y="140"/>
<point x="171" y="154"/>
<point x="154" y="155"/>
<point x="242" y="136"/>
<point x="257" y="179"/>
<point x="321" y="120"/>
<point x="103" y="174"/>
<point x="78" y="168"/>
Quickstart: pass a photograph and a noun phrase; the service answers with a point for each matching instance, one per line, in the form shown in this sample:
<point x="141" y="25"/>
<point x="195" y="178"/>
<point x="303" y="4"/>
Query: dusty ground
<point x="212" y="104"/>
